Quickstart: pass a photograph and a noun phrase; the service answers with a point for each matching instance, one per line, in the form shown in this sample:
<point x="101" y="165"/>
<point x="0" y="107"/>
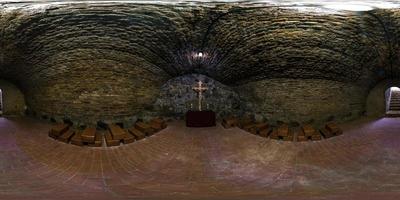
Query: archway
<point x="392" y="96"/>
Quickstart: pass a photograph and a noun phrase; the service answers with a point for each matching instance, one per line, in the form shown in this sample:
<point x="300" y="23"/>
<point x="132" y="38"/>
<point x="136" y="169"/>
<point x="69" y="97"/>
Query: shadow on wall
<point x="376" y="101"/>
<point x="12" y="100"/>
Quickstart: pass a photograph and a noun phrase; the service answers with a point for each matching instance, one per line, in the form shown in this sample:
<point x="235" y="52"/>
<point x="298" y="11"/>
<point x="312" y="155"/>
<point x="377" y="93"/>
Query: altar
<point x="200" y="118"/>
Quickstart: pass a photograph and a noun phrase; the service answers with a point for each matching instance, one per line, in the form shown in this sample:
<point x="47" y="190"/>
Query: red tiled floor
<point x="202" y="163"/>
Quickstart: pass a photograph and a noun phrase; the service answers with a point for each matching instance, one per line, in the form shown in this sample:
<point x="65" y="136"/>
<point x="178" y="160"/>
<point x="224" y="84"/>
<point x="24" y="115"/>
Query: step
<point x="393" y="113"/>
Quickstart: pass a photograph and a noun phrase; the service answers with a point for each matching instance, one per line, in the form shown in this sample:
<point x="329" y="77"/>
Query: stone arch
<point x="377" y="97"/>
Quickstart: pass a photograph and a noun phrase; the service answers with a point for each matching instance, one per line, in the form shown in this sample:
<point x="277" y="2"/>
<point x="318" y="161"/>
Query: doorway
<point x="392" y="101"/>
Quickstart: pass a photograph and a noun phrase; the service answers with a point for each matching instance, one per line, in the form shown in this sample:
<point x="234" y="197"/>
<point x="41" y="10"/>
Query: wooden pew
<point x="257" y="128"/>
<point x="289" y="137"/>
<point x="138" y="134"/>
<point x="249" y="127"/>
<point x="308" y="130"/>
<point x="98" y="142"/>
<point x="144" y="128"/>
<point x="311" y="133"/>
<point x="265" y="132"/>
<point x="316" y="136"/>
<point x="230" y="122"/>
<point x="245" y="122"/>
<point x="88" y="135"/>
<point x="330" y="130"/>
<point x="66" y="137"/>
<point x="157" y="124"/>
<point x="327" y="134"/>
<point x="274" y="134"/>
<point x="283" y="130"/>
<point x="58" y="130"/>
<point x="128" y="138"/>
<point x="117" y="132"/>
<point x="76" y="139"/>
<point x="334" y="128"/>
<point x="109" y="139"/>
<point x="301" y="136"/>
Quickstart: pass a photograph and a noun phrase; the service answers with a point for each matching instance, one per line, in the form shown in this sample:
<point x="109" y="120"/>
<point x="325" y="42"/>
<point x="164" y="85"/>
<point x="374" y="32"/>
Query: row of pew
<point x="305" y="132"/>
<point x="113" y="136"/>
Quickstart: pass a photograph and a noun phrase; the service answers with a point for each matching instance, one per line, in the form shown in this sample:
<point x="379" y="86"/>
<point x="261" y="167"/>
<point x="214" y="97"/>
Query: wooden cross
<point x="200" y="89"/>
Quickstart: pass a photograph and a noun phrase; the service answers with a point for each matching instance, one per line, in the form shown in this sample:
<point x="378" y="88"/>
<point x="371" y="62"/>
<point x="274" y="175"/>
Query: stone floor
<point x="203" y="163"/>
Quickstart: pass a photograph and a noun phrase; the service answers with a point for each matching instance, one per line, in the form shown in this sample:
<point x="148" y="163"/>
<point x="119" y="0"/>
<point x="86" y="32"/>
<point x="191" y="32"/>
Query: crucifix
<point x="200" y="88"/>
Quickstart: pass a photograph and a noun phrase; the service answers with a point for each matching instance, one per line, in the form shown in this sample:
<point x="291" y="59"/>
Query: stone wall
<point x="303" y="100"/>
<point x="108" y="61"/>
<point x="13" y="99"/>
<point x="177" y="96"/>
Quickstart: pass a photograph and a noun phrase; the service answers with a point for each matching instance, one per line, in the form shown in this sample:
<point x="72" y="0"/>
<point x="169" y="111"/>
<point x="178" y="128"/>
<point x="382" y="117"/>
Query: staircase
<point x="394" y="104"/>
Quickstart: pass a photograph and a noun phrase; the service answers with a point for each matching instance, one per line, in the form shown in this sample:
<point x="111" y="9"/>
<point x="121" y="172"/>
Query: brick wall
<point x="90" y="62"/>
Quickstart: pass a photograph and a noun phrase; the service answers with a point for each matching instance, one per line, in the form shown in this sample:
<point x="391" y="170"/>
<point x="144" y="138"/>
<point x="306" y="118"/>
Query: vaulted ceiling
<point x="71" y="53"/>
<point x="239" y="42"/>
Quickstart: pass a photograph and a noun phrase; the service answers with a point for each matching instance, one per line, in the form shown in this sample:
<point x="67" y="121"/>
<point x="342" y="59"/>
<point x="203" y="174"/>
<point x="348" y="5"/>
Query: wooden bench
<point x="66" y="137"/>
<point x="88" y="135"/>
<point x="245" y="122"/>
<point x="308" y="130"/>
<point x="330" y="130"/>
<point x="274" y="134"/>
<point x="301" y="136"/>
<point x="117" y="132"/>
<point x="310" y="133"/>
<point x="230" y="122"/>
<point x="109" y="139"/>
<point x="98" y="142"/>
<point x="265" y="132"/>
<point x="157" y="124"/>
<point x="289" y="136"/>
<point x="76" y="139"/>
<point x="283" y="130"/>
<point x="58" y="130"/>
<point x="334" y="128"/>
<point x="326" y="133"/>
<point x="316" y="137"/>
<point x="249" y="127"/>
<point x="128" y="138"/>
<point x="144" y="128"/>
<point x="138" y="134"/>
<point x="257" y="128"/>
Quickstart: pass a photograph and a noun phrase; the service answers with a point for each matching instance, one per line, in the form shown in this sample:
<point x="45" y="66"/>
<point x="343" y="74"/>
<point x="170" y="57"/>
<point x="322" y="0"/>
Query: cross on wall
<point x="200" y="88"/>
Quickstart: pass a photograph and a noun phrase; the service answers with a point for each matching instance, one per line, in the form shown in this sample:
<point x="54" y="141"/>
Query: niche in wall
<point x="12" y="101"/>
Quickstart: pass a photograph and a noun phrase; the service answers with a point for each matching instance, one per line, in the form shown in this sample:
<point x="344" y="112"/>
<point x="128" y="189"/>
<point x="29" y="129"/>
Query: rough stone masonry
<point x="101" y="61"/>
